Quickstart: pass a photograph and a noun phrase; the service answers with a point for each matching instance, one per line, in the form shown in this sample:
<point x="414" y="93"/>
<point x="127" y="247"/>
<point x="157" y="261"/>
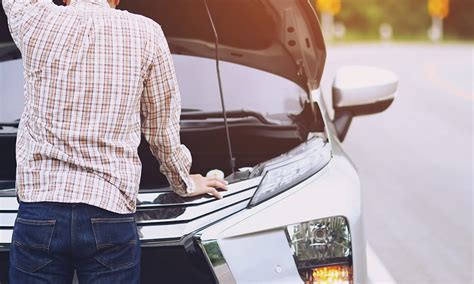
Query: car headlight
<point x="322" y="250"/>
<point x="289" y="170"/>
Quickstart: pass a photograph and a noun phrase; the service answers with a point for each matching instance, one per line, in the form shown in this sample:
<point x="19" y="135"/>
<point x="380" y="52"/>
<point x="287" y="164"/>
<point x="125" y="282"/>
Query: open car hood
<point x="282" y="37"/>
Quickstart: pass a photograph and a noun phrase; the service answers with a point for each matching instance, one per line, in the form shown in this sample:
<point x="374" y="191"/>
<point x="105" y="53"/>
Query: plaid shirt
<point x="95" y="77"/>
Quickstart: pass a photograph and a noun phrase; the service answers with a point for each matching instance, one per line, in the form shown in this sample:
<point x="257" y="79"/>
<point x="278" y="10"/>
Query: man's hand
<point x="207" y="185"/>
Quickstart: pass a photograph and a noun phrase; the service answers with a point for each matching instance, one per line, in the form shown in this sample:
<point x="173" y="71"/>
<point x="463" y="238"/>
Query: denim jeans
<point x="51" y="240"/>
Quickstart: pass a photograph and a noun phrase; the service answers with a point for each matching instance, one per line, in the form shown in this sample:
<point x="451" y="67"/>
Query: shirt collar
<point x="97" y="2"/>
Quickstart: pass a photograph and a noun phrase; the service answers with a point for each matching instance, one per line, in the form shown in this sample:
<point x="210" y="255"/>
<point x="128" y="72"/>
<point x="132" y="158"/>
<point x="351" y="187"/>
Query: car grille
<point x="166" y="225"/>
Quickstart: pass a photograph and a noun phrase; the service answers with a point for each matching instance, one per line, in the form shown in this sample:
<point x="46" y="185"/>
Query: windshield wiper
<point x="191" y="115"/>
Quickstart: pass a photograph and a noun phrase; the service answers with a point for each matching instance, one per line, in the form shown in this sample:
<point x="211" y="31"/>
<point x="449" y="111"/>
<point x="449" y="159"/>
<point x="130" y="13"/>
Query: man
<point x="94" y="77"/>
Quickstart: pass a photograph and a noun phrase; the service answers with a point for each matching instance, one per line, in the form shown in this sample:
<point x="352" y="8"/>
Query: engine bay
<point x="256" y="138"/>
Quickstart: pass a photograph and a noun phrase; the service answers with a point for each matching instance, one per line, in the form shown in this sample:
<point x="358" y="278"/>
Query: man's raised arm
<point x="15" y="12"/>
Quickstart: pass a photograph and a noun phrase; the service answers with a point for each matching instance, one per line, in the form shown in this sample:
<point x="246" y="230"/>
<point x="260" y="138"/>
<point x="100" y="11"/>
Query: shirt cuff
<point x="186" y="185"/>
<point x="188" y="181"/>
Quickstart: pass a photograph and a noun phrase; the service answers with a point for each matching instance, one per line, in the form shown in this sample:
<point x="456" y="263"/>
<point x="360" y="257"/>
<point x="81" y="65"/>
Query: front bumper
<point x="252" y="240"/>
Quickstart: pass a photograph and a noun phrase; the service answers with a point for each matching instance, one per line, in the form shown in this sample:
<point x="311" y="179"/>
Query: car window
<point x="243" y="87"/>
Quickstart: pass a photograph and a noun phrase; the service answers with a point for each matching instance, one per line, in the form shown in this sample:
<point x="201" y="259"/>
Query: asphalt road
<point x="416" y="160"/>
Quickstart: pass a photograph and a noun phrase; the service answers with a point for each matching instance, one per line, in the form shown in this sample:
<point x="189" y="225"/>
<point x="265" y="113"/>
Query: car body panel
<point x="334" y="191"/>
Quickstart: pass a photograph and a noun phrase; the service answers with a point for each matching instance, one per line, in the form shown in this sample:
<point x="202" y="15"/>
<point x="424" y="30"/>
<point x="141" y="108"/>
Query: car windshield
<point x="243" y="87"/>
<point x="258" y="104"/>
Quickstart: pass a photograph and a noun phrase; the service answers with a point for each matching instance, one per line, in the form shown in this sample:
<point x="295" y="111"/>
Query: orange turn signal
<point x="340" y="274"/>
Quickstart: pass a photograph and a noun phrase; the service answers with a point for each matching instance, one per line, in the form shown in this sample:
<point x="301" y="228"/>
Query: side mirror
<point x="361" y="90"/>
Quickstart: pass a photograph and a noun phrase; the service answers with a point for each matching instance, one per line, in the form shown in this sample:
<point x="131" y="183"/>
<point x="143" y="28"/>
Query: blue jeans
<point x="51" y="240"/>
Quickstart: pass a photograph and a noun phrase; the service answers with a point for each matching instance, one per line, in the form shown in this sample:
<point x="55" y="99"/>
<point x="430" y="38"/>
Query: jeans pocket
<point x="31" y="241"/>
<point x="116" y="241"/>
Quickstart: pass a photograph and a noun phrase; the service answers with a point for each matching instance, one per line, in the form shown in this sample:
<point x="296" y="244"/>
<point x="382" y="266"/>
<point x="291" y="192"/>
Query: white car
<point x="249" y="73"/>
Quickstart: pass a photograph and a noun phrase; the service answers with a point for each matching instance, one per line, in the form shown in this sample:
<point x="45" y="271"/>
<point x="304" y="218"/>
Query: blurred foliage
<point x="409" y="18"/>
<point x="460" y="22"/>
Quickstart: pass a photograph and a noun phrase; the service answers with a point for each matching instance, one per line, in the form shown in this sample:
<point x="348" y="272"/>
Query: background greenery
<point x="409" y="19"/>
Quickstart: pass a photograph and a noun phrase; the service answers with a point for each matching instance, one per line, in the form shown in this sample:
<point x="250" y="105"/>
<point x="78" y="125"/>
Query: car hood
<point x="282" y="37"/>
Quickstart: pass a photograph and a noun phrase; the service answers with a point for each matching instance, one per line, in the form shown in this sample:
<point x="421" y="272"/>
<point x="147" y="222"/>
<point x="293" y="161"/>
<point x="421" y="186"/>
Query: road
<point x="416" y="160"/>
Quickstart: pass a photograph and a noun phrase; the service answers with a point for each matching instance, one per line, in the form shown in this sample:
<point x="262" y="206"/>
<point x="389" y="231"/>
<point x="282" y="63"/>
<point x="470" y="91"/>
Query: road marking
<point x="432" y="74"/>
<point x="376" y="271"/>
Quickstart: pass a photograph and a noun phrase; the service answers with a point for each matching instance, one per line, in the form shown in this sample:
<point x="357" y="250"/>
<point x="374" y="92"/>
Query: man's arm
<point x="161" y="110"/>
<point x="15" y="12"/>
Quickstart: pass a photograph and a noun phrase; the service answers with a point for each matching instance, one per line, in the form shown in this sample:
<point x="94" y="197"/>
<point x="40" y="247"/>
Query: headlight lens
<point x="322" y="250"/>
<point x="289" y="170"/>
